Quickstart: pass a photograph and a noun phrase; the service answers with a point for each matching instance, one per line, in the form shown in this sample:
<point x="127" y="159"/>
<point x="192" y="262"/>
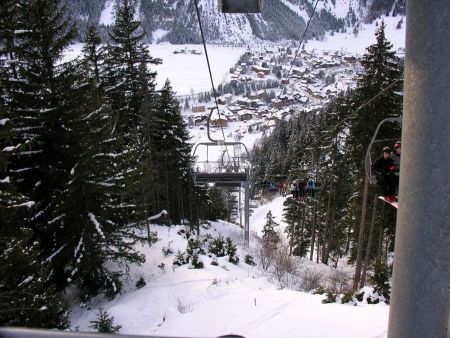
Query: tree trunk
<point x="369" y="242"/>
<point x="313" y="232"/>
<point x="362" y="228"/>
<point x="327" y="225"/>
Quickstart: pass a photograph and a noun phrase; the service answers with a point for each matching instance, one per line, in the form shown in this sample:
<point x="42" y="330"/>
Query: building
<point x="219" y="122"/>
<point x="245" y="115"/>
<point x="198" y="109"/>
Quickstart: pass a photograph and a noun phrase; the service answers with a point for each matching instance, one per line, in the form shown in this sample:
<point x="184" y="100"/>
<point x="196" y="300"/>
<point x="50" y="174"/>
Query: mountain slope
<point x="175" y="21"/>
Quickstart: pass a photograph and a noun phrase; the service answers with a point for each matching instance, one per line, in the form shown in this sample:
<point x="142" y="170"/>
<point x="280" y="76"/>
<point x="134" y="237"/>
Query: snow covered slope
<point x="227" y="298"/>
<point x="175" y="21"/>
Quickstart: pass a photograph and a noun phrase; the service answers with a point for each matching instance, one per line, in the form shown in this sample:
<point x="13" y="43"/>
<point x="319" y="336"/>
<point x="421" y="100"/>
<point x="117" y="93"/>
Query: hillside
<point x="228" y="298"/>
<point x="175" y="21"/>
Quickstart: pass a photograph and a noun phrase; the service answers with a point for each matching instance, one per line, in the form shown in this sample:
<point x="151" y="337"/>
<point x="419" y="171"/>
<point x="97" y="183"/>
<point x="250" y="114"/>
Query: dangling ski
<point x="393" y="203"/>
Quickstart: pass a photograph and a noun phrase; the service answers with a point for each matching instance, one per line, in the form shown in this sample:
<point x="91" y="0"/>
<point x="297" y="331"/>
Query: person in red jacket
<point x="384" y="170"/>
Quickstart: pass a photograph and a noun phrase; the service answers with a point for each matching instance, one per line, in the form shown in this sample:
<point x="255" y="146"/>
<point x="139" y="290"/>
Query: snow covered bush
<point x="217" y="246"/>
<point x="195" y="246"/>
<point x="180" y="258"/>
<point x="141" y="283"/>
<point x="167" y="250"/>
<point x="339" y="282"/>
<point x="319" y="291"/>
<point x="195" y="262"/>
<point x="311" y="279"/>
<point x="214" y="261"/>
<point x="113" y="285"/>
<point x="248" y="259"/>
<point x="370" y="296"/>
<point x="284" y="267"/>
<point x="193" y="250"/>
<point x="183" y="308"/>
<point x="348" y="297"/>
<point x="381" y="280"/>
<point x="231" y="251"/>
<point x="330" y="297"/>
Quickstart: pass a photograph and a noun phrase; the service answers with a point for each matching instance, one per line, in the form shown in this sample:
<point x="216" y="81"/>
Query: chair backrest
<point x="240" y="6"/>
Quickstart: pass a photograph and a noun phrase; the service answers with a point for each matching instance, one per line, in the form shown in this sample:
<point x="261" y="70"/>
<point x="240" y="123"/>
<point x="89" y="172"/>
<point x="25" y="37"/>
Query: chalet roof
<point x="215" y="116"/>
<point x="234" y="108"/>
<point x="260" y="68"/>
<point x="245" y="112"/>
<point x="201" y="114"/>
<point x="263" y="108"/>
<point x="244" y="99"/>
<point x="303" y="99"/>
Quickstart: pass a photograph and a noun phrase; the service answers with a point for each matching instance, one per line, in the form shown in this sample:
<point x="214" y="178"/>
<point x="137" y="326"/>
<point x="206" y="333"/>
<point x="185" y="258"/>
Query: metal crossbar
<point x="17" y="332"/>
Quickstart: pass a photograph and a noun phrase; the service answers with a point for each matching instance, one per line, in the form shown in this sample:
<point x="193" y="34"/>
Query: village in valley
<point x="270" y="85"/>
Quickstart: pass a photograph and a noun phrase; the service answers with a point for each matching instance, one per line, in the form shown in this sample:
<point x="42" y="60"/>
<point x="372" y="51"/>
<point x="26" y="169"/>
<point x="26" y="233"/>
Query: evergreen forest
<point x="90" y="151"/>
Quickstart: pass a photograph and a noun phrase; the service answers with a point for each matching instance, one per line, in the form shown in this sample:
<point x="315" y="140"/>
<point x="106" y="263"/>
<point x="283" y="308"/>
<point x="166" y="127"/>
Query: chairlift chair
<point x="368" y="157"/>
<point x="240" y="6"/>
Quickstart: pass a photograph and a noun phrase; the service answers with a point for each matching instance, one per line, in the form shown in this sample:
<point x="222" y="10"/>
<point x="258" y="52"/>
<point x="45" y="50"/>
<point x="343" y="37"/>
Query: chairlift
<point x="240" y="6"/>
<point x="368" y="158"/>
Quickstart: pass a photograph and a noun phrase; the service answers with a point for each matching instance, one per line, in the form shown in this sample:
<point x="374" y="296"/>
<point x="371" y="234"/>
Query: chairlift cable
<point x="303" y="37"/>
<point x="300" y="44"/>
<point x="209" y="69"/>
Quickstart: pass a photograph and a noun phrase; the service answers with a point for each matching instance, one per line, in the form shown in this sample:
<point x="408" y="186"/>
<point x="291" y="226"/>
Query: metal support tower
<point x="420" y="295"/>
<point x="247" y="211"/>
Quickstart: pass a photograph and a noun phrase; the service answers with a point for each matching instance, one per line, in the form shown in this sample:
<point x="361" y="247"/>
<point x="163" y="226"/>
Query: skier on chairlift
<point x="310" y="188"/>
<point x="294" y="189"/>
<point x="395" y="157"/>
<point x="384" y="169"/>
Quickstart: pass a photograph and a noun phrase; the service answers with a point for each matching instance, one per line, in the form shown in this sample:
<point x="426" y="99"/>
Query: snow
<point x="96" y="223"/>
<point x="341" y="8"/>
<point x="188" y="73"/>
<point x="5" y="180"/>
<point x="227" y="299"/>
<point x="3" y="122"/>
<point x="26" y="280"/>
<point x="154" y="217"/>
<point x="55" y="253"/>
<point x="107" y="14"/>
<point x="366" y="36"/>
<point x="158" y="34"/>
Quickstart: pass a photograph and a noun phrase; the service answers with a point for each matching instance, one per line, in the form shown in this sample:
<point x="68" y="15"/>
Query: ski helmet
<point x="386" y="150"/>
<point x="397" y="144"/>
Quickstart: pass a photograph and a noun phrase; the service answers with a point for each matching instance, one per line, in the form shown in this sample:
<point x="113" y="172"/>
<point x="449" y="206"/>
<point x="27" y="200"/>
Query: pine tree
<point x="167" y="139"/>
<point x="93" y="55"/>
<point x="217" y="205"/>
<point x="381" y="279"/>
<point x="381" y="69"/>
<point x="294" y="214"/>
<point x="38" y="104"/>
<point x="129" y="85"/>
<point x="125" y="56"/>
<point x="25" y="297"/>
<point x="105" y="323"/>
<point x="269" y="233"/>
